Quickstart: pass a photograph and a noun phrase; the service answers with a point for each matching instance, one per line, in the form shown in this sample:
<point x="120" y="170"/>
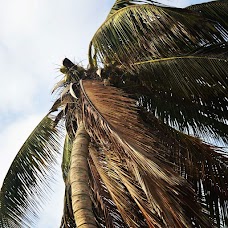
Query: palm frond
<point x="119" y="4"/>
<point x="187" y="92"/>
<point x="186" y="116"/>
<point x="203" y="165"/>
<point x="68" y="215"/>
<point x="61" y="102"/>
<point x="28" y="178"/>
<point x="138" y="160"/>
<point x="66" y="157"/>
<point x="142" y="32"/>
<point x="105" y="210"/>
<point x="215" y="11"/>
<point x="214" y="50"/>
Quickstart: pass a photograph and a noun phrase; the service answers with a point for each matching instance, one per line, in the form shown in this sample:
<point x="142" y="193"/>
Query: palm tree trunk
<point x="81" y="201"/>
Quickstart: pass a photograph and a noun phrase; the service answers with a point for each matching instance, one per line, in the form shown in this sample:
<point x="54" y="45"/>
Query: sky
<point x="35" y="36"/>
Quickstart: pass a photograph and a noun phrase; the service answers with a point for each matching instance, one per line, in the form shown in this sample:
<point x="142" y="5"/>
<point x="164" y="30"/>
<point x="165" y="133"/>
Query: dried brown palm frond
<point x="105" y="210"/>
<point x="66" y="106"/>
<point x="203" y="165"/>
<point x="131" y="156"/>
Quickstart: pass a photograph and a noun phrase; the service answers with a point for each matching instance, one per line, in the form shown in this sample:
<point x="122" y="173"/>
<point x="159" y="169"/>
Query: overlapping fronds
<point x="27" y="181"/>
<point x="68" y="216"/>
<point x="215" y="11"/>
<point x="203" y="165"/>
<point x="214" y="50"/>
<point x="66" y="105"/>
<point x="105" y="211"/>
<point x="143" y="32"/>
<point x="187" y="92"/>
<point x="131" y="163"/>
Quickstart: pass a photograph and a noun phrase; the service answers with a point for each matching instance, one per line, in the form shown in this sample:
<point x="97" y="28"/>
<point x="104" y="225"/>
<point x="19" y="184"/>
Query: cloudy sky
<point x="35" y="36"/>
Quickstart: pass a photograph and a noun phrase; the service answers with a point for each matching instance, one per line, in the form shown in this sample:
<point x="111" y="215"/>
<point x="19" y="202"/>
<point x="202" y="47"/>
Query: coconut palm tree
<point x="140" y="125"/>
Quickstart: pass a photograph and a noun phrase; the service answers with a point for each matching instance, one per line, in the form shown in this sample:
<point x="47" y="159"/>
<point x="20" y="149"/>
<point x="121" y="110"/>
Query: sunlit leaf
<point x="142" y="32"/>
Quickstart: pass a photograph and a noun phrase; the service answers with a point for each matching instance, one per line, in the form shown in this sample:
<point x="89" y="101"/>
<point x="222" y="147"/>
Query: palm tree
<point x="137" y="121"/>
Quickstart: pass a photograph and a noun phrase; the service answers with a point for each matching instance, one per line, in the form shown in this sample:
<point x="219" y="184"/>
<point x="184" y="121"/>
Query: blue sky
<point x="34" y="38"/>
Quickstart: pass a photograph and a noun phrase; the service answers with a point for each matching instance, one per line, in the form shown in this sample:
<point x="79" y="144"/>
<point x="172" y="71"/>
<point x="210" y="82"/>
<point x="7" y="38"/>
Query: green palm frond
<point x="119" y="4"/>
<point x="142" y="32"/>
<point x="68" y="216"/>
<point x="186" y="116"/>
<point x="27" y="181"/>
<point x="66" y="156"/>
<point x="188" y="92"/>
<point x="130" y="153"/>
<point x="215" y="50"/>
<point x="215" y="11"/>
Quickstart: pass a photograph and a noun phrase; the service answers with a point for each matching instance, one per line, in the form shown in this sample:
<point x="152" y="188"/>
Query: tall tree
<point x="133" y="157"/>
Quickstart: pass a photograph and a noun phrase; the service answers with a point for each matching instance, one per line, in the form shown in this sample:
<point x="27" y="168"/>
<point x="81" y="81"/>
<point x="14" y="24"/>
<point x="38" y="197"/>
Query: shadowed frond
<point x="68" y="216"/>
<point x="143" y="32"/>
<point x="28" y="178"/>
<point x="137" y="161"/>
<point x="214" y="50"/>
<point x="215" y="11"/>
<point x="186" y="116"/>
<point x="186" y="92"/>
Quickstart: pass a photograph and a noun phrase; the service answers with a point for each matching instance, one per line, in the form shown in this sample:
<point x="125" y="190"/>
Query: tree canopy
<point x="153" y="102"/>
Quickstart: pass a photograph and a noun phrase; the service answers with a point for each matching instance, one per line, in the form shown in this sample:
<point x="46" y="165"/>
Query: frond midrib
<point x="178" y="57"/>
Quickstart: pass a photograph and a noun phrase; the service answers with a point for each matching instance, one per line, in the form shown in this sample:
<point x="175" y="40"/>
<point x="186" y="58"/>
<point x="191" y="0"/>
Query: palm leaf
<point x="186" y="116"/>
<point x="193" y="89"/>
<point x="119" y="4"/>
<point x="27" y="181"/>
<point x="118" y="196"/>
<point x="142" y="32"/>
<point x="215" y="11"/>
<point x="214" y="50"/>
<point x="105" y="210"/>
<point x="68" y="215"/>
<point x="66" y="156"/>
<point x="203" y="165"/>
<point x="137" y="160"/>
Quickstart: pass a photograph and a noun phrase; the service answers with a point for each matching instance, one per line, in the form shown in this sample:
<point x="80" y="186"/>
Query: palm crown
<point x="156" y="83"/>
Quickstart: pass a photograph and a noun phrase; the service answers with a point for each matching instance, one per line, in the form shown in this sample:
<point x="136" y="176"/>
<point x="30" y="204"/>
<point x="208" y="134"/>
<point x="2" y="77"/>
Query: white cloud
<point x="37" y="35"/>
